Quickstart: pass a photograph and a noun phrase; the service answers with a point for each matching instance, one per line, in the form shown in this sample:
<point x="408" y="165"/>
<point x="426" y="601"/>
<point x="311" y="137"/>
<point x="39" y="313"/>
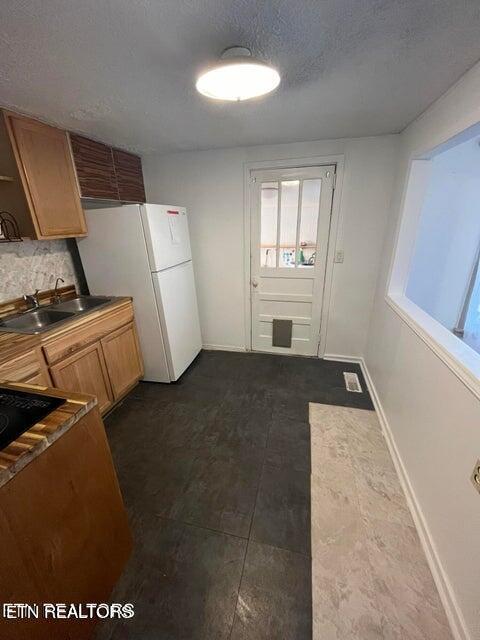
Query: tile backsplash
<point x="34" y="264"/>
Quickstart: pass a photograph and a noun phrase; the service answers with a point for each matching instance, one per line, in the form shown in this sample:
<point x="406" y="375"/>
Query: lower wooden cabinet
<point x="64" y="532"/>
<point x="30" y="367"/>
<point x="108" y="367"/>
<point x="100" y="355"/>
<point x="122" y="357"/>
<point x="85" y="371"/>
<point x="42" y="378"/>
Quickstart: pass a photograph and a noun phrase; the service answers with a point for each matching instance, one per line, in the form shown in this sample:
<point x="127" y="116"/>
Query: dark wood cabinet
<point x="95" y="168"/>
<point x="128" y="168"/>
<point x="106" y="173"/>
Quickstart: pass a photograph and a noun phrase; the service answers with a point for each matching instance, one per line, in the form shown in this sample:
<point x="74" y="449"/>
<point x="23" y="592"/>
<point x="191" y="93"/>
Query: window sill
<point x="461" y="359"/>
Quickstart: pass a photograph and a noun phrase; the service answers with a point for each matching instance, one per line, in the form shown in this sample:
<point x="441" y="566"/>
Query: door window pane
<point x="307" y="241"/>
<point x="288" y="222"/>
<point x="269" y="215"/>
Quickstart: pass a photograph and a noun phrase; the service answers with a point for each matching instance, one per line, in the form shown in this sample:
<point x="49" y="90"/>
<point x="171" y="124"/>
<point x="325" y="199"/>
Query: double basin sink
<point x="44" y="318"/>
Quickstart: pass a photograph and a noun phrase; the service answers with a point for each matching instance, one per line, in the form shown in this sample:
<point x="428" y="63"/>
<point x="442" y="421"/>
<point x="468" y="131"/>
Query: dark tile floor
<point x="215" y="473"/>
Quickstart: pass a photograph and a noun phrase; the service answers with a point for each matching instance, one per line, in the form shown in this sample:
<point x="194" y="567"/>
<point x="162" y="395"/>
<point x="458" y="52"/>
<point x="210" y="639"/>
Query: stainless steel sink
<point x="83" y="303"/>
<point x="39" y="320"/>
<point x="34" y="321"/>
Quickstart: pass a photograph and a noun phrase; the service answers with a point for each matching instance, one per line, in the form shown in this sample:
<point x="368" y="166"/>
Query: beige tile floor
<point x="369" y="573"/>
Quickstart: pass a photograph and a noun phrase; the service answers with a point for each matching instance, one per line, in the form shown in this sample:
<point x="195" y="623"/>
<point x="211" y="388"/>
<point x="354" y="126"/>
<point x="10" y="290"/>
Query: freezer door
<point x="166" y="235"/>
<point x="177" y="306"/>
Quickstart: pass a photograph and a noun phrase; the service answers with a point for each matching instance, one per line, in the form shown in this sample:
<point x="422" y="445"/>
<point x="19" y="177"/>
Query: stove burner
<point x="20" y="410"/>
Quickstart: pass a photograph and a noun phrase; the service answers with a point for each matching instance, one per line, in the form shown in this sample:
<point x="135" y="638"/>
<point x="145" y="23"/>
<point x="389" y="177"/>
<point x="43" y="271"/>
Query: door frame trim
<point x="335" y="235"/>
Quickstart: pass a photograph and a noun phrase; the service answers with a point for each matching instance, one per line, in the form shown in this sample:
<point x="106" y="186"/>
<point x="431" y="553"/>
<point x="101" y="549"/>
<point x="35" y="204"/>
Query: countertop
<point x="30" y="444"/>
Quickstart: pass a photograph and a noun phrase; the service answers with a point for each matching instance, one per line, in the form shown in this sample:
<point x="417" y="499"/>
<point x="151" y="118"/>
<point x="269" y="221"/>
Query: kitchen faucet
<point x="56" y="295"/>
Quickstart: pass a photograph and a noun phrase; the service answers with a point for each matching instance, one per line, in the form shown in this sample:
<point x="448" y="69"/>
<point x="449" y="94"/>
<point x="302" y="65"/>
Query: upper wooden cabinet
<point x="128" y="168"/>
<point x="95" y="168"/>
<point x="106" y="173"/>
<point x="46" y="170"/>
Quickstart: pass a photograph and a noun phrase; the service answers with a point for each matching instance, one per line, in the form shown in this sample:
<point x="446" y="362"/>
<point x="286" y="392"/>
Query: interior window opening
<point x="444" y="278"/>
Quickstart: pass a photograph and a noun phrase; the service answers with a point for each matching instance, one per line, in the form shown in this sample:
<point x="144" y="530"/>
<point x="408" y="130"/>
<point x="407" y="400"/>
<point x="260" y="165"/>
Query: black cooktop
<point x="20" y="410"/>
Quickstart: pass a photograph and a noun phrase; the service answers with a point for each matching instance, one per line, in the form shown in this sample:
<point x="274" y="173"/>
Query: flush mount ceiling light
<point x="238" y="76"/>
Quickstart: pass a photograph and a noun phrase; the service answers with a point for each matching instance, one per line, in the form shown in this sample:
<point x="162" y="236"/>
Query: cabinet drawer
<point x="74" y="338"/>
<point x="22" y="368"/>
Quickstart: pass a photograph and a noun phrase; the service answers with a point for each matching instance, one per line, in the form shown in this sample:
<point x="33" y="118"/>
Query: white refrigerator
<point x="143" y="251"/>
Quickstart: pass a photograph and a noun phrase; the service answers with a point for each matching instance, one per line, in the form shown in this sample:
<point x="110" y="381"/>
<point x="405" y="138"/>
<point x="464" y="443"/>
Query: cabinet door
<point x="29" y="367"/>
<point x="123" y="359"/>
<point x="41" y="378"/>
<point x="22" y="368"/>
<point x="95" y="169"/>
<point x="46" y="168"/>
<point x="128" y="168"/>
<point x="85" y="372"/>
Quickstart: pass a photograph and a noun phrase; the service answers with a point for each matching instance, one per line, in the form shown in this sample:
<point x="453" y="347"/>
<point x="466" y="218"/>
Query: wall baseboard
<point x="447" y="596"/>
<point x="338" y="358"/>
<point x="222" y="347"/>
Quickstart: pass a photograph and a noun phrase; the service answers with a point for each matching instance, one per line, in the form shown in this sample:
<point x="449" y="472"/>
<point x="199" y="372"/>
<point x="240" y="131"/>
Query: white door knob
<point x="254" y="282"/>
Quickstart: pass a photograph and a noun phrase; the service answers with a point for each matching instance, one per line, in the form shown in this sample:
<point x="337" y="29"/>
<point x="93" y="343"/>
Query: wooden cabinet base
<point x="64" y="531"/>
<point x="99" y="355"/>
<point x="85" y="372"/>
<point x="123" y="359"/>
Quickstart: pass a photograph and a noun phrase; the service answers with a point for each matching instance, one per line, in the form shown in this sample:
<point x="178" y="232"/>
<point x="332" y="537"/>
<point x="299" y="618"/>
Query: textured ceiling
<point x="123" y="71"/>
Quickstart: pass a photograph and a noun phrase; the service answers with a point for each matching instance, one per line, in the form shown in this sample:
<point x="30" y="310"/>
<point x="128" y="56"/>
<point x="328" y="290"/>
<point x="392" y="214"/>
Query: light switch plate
<point x="475" y="477"/>
<point x="339" y="256"/>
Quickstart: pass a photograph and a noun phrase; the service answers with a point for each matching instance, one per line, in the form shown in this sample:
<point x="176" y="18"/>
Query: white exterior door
<point x="290" y="219"/>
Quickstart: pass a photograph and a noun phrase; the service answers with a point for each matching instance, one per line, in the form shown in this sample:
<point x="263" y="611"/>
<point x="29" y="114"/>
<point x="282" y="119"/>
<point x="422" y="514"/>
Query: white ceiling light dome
<point x="238" y="76"/>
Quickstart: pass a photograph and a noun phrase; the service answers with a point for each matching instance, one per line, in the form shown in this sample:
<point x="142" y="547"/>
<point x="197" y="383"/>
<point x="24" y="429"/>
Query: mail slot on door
<point x="282" y="333"/>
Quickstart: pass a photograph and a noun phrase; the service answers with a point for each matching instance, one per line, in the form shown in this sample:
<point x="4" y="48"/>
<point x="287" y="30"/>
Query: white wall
<point x="211" y="185"/>
<point x="433" y="417"/>
<point x="448" y="235"/>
